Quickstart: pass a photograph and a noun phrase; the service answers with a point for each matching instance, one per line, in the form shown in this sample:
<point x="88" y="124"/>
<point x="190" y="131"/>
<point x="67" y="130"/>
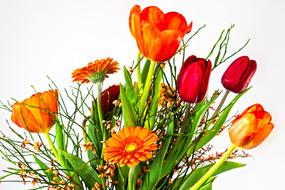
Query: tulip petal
<point x="189" y="60"/>
<point x="260" y="136"/>
<point x="151" y="15"/>
<point x="134" y="20"/>
<point x="243" y="129"/>
<point x="263" y="118"/>
<point x="191" y="80"/>
<point x="205" y="80"/>
<point x="173" y="21"/>
<point x="165" y="46"/>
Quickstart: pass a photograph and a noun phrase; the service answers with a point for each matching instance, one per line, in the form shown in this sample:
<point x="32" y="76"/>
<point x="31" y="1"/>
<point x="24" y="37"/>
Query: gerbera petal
<point x="95" y="72"/>
<point x="130" y="146"/>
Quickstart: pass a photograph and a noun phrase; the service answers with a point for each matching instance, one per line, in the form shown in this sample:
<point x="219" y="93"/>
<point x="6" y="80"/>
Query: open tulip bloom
<point x="154" y="130"/>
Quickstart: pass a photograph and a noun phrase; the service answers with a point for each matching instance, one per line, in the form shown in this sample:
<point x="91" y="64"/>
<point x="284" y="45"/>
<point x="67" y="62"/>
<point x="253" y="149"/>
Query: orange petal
<point x="263" y="118"/>
<point x="260" y="136"/>
<point x="151" y="15"/>
<point x="254" y="108"/>
<point x="165" y="45"/>
<point x="243" y="129"/>
<point x="174" y="21"/>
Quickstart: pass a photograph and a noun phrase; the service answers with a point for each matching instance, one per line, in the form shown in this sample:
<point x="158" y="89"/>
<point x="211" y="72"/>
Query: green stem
<point x="138" y="69"/>
<point x="131" y="177"/>
<point x="53" y="148"/>
<point x="100" y="115"/>
<point x="60" y="160"/>
<point x="221" y="104"/>
<point x="214" y="168"/>
<point x="147" y="84"/>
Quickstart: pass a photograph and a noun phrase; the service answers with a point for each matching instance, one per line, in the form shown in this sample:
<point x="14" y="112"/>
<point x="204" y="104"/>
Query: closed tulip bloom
<point x="158" y="35"/>
<point x="250" y="128"/>
<point x="108" y="96"/>
<point x="36" y="114"/>
<point x="193" y="79"/>
<point x="238" y="75"/>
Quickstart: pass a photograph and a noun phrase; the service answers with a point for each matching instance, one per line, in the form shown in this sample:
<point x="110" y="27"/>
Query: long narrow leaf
<point x="83" y="169"/>
<point x="127" y="108"/>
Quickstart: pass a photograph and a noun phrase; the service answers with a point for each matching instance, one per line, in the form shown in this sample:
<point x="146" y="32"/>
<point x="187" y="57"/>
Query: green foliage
<point x="127" y="108"/>
<point x="83" y="169"/>
<point x="193" y="177"/>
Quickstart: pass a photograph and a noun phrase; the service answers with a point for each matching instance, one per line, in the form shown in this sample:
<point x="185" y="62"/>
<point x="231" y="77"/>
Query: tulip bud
<point x="193" y="79"/>
<point x="108" y="96"/>
<point x="250" y="128"/>
<point x="238" y="75"/>
<point x="36" y="114"/>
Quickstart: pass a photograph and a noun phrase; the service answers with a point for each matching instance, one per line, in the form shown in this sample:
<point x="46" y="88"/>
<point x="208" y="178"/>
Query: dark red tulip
<point x="238" y="75"/>
<point x="108" y="96"/>
<point x="193" y="79"/>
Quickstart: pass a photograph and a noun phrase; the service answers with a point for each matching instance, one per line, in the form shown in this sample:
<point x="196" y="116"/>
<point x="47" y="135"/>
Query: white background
<point x="39" y="38"/>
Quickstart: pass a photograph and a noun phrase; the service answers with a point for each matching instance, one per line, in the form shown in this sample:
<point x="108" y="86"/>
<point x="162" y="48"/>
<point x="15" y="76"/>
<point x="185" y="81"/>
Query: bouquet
<point x="152" y="131"/>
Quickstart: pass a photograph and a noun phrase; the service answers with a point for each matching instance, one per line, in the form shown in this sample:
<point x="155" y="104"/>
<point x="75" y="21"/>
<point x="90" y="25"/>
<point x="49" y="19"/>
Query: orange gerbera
<point x="36" y="114"/>
<point x="158" y="35"/>
<point x="130" y="146"/>
<point x="95" y="72"/>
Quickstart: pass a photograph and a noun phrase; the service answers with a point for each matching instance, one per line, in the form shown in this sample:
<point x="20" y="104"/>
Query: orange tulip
<point x="250" y="128"/>
<point x="36" y="114"/>
<point x="158" y="35"/>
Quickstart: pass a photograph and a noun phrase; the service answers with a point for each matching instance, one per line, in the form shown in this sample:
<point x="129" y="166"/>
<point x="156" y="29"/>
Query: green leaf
<point x="130" y="92"/>
<point x="153" y="176"/>
<point x="145" y="70"/>
<point x="213" y="131"/>
<point x="59" y="138"/>
<point x="208" y="185"/>
<point x="44" y="167"/>
<point x="155" y="100"/>
<point x="192" y="178"/>
<point x="127" y="108"/>
<point x="183" y="142"/>
<point x="94" y="133"/>
<point x="122" y="177"/>
<point x="83" y="169"/>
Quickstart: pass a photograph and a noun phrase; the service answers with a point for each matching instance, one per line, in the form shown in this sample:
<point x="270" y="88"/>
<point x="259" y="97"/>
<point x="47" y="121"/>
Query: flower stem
<point x="100" y="115"/>
<point x="215" y="114"/>
<point x="52" y="147"/>
<point x="214" y="168"/>
<point x="131" y="177"/>
<point x="138" y="69"/>
<point x="221" y="104"/>
<point x="147" y="84"/>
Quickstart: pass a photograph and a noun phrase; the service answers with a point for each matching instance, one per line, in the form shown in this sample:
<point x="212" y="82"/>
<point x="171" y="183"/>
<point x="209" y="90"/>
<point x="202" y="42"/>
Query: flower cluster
<point x="152" y="131"/>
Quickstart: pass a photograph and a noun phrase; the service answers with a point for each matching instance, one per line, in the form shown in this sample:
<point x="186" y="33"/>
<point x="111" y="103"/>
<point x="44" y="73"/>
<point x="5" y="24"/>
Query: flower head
<point x="193" y="79"/>
<point x="158" y="35"/>
<point x="96" y="71"/>
<point x="238" y="75"/>
<point x="250" y="128"/>
<point x="130" y="146"/>
<point x="108" y="96"/>
<point x="36" y="114"/>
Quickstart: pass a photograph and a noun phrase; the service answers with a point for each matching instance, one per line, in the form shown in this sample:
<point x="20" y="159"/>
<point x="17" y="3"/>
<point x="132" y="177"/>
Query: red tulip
<point x="158" y="35"/>
<point x="250" y="128"/>
<point x="238" y="75"/>
<point x="193" y="79"/>
<point x="108" y="96"/>
<point x="36" y="114"/>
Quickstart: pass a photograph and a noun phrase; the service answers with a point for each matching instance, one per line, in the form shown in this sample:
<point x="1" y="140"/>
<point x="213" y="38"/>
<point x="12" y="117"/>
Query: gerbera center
<point x="131" y="147"/>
